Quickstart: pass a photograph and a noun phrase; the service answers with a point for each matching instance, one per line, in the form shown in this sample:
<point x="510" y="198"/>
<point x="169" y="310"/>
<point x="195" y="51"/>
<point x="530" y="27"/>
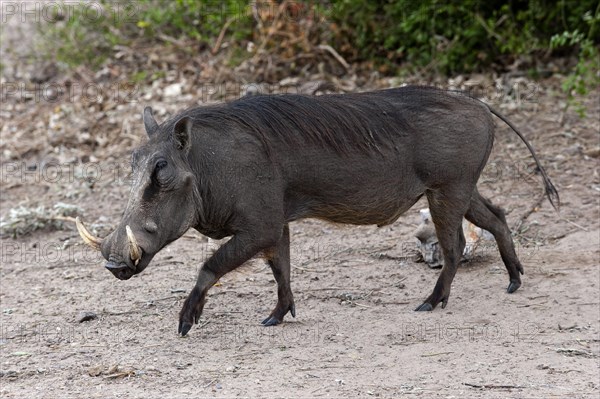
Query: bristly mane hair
<point x="343" y="122"/>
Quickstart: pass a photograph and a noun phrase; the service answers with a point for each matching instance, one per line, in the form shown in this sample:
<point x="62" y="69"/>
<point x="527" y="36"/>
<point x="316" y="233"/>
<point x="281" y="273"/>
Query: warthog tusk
<point x="134" y="249"/>
<point x="88" y="237"/>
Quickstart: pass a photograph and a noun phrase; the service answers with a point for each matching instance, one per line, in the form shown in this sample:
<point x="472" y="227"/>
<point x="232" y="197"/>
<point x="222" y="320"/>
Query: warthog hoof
<point x="424" y="307"/>
<point x="184" y="328"/>
<point x="273" y="320"/>
<point x="513" y="286"/>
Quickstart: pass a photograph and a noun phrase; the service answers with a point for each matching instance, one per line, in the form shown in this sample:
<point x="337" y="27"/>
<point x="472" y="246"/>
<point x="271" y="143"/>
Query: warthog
<point x="248" y="168"/>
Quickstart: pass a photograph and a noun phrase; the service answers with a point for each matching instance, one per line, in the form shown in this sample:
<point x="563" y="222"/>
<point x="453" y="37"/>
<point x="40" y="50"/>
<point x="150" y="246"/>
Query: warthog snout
<point x="120" y="270"/>
<point x="123" y="257"/>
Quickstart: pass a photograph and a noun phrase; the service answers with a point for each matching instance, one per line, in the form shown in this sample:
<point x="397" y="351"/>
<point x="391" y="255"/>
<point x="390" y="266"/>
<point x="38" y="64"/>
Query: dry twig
<point x="335" y="54"/>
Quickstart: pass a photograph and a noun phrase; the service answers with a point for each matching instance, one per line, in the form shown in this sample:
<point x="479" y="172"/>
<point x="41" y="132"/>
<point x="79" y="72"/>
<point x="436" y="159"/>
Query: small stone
<point x="86" y="316"/>
<point x="12" y="374"/>
<point x="95" y="371"/>
<point x="593" y="152"/>
<point x="173" y="90"/>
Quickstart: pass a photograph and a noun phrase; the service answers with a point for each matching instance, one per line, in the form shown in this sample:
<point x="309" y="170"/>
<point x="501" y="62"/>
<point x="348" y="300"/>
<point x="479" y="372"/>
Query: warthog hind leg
<point x="447" y="207"/>
<point x="484" y="214"/>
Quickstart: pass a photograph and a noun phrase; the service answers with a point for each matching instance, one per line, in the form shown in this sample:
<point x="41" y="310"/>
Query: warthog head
<point x="162" y="203"/>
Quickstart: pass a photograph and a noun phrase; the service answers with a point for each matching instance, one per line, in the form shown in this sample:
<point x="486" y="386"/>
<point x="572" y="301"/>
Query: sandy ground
<point x="355" y="334"/>
<point x="355" y="287"/>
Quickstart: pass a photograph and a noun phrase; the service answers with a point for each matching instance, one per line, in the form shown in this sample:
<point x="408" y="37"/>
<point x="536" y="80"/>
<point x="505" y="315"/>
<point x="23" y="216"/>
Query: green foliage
<point x="139" y="77"/>
<point x="451" y="36"/>
<point x="587" y="71"/>
<point x="201" y="20"/>
<point x="80" y="33"/>
<point x="89" y="32"/>
<point x="433" y="36"/>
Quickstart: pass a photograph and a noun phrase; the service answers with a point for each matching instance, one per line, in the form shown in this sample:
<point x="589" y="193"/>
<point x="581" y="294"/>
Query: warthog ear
<point x="149" y="122"/>
<point x="182" y="133"/>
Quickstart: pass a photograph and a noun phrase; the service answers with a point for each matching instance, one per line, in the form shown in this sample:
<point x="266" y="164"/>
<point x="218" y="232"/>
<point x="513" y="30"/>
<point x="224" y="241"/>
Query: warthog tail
<point x="551" y="191"/>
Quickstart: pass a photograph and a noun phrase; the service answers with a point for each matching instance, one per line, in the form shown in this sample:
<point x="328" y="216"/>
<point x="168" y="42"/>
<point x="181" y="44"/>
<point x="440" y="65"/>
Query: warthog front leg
<point x="240" y="248"/>
<point x="278" y="258"/>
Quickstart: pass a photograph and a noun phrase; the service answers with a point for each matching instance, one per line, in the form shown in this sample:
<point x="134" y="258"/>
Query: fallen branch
<point x="172" y="40"/>
<point x="309" y="270"/>
<point x="217" y="45"/>
<point x="532" y="209"/>
<point x="335" y="54"/>
<point x="491" y="386"/>
<point x="120" y="374"/>
<point x="575" y="224"/>
<point x="574" y="352"/>
<point x="435" y="354"/>
<point x="157" y="299"/>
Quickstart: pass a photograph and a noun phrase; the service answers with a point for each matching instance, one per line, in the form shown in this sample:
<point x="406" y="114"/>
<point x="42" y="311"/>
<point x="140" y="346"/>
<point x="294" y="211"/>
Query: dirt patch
<point x="355" y="333"/>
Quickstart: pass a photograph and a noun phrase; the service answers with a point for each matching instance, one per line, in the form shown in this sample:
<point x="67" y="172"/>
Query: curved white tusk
<point x="87" y="237"/>
<point x="134" y="249"/>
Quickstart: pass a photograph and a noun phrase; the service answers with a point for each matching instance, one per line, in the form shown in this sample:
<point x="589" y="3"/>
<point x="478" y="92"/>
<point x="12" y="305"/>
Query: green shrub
<point x="434" y="36"/>
<point x="201" y="20"/>
<point x="85" y="33"/>
<point x="454" y="36"/>
<point x="79" y="39"/>
<point x="586" y="73"/>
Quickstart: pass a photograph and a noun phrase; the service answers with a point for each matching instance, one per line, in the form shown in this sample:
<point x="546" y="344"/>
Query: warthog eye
<point x="157" y="175"/>
<point x="160" y="165"/>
